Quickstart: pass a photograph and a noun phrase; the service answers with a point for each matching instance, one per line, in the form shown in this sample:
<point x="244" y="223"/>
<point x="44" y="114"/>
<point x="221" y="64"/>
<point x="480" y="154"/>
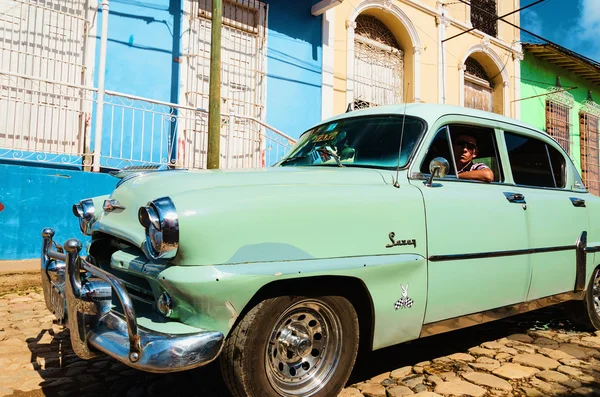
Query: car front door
<point x="473" y="230"/>
<point x="556" y="215"/>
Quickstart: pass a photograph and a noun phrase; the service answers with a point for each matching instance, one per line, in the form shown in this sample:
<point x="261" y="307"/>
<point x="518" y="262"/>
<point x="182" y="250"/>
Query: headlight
<point x="159" y="218"/>
<point x="84" y="210"/>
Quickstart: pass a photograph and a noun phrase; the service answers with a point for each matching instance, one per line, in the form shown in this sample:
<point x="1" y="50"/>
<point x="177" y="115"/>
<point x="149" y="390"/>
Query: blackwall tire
<point x="292" y="346"/>
<point x="591" y="302"/>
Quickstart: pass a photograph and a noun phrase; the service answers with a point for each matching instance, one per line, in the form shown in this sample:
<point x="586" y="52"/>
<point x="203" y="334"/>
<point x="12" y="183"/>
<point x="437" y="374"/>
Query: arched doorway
<point x="378" y="64"/>
<point x="479" y="89"/>
<point x="484" y="81"/>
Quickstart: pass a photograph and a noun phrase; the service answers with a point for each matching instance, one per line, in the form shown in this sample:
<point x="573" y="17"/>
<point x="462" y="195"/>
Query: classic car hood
<point x="166" y="183"/>
<point x="196" y="192"/>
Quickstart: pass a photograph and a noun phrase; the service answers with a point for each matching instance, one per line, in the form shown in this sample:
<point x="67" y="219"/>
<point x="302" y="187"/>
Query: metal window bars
<point x="378" y="64"/>
<point x="590" y="164"/>
<point x="558" y="123"/>
<point x="484" y="16"/>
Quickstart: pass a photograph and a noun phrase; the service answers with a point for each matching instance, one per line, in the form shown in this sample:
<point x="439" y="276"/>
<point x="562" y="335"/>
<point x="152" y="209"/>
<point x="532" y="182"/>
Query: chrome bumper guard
<point x="80" y="295"/>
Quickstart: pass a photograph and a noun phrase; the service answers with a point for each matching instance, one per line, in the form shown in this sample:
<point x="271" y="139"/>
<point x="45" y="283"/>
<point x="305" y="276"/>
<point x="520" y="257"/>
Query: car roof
<point x="432" y="112"/>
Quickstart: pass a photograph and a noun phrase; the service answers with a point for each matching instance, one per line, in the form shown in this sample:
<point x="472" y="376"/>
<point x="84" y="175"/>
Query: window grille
<point x="484" y="16"/>
<point x="557" y="123"/>
<point x="590" y="167"/>
<point x="378" y="64"/>
<point x="478" y="89"/>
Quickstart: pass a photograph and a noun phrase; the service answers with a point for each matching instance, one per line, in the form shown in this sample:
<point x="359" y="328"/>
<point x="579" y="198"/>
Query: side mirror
<point x="438" y="168"/>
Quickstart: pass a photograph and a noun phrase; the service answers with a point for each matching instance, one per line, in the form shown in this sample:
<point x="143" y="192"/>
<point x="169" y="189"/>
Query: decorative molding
<point x="590" y="107"/>
<point x="506" y="84"/>
<point x="485" y="43"/>
<point x="442" y="20"/>
<point x="417" y="50"/>
<point x="558" y="95"/>
<point x="462" y="66"/>
<point x="351" y="24"/>
<point x="387" y="4"/>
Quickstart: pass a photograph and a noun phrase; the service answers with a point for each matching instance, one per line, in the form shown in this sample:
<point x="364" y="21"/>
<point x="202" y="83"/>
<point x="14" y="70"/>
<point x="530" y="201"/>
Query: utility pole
<point x="214" y="96"/>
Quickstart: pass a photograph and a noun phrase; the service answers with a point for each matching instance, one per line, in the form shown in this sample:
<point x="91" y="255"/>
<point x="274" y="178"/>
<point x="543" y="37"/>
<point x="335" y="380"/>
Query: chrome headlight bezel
<point x="161" y="224"/>
<point x="86" y="213"/>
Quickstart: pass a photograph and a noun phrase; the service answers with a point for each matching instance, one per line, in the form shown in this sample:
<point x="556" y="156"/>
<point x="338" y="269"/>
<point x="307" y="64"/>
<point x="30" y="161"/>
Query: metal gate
<point x="243" y="60"/>
<point x="42" y="52"/>
<point x="378" y="64"/>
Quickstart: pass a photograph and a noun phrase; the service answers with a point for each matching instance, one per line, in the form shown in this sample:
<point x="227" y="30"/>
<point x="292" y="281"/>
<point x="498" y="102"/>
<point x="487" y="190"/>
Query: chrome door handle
<point x="577" y="202"/>
<point x="515" y="197"/>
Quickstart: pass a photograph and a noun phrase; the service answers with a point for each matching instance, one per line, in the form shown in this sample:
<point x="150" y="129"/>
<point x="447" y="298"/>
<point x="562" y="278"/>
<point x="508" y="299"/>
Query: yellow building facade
<point x="378" y="52"/>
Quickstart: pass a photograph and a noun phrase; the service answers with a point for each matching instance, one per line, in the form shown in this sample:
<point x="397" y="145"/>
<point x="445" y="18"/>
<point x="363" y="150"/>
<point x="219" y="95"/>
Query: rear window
<point x="535" y="163"/>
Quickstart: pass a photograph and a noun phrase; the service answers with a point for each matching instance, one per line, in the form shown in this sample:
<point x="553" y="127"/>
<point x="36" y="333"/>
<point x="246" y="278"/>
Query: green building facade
<point x="560" y="94"/>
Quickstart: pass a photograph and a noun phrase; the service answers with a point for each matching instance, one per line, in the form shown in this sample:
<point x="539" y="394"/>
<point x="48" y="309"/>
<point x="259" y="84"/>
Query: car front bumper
<point x="80" y="295"/>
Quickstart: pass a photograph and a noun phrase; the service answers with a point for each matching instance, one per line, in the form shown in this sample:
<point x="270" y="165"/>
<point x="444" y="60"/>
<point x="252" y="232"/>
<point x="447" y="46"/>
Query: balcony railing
<point x="51" y="122"/>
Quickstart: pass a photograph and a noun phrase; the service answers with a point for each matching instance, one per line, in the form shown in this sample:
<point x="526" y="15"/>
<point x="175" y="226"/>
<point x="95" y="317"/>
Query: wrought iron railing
<point x="39" y="122"/>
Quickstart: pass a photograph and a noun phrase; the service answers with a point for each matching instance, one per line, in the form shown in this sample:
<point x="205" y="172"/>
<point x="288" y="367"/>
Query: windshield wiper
<point x="293" y="158"/>
<point x="324" y="149"/>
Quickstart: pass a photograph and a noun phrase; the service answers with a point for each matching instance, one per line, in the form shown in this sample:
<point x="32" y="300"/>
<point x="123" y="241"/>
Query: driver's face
<point x="465" y="149"/>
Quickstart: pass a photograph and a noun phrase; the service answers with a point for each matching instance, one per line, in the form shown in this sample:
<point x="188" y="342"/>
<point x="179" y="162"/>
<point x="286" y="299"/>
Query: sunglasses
<point x="465" y="144"/>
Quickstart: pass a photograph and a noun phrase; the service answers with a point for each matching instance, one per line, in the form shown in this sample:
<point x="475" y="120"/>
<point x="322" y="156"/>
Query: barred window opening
<point x="478" y="87"/>
<point x="378" y="64"/>
<point x="557" y="124"/>
<point x="590" y="167"/>
<point x="484" y="16"/>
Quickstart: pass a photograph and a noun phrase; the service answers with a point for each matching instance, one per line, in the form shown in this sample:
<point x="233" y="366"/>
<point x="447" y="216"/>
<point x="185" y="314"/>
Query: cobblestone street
<point x="536" y="354"/>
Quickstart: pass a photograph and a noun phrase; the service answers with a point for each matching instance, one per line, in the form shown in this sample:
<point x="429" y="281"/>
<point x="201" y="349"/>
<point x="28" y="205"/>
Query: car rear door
<point x="556" y="215"/>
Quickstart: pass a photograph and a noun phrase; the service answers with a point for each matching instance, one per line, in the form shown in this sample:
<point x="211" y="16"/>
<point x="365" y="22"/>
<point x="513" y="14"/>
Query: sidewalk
<point x="23" y="266"/>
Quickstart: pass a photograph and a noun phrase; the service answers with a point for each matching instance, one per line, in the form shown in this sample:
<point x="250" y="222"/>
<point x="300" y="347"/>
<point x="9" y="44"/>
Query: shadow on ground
<point x="65" y="374"/>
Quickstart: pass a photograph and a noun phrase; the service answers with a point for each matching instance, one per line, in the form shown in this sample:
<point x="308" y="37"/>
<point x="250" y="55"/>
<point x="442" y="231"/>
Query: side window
<point x="535" y="163"/>
<point x="469" y="150"/>
<point x="440" y="147"/>
<point x="484" y="153"/>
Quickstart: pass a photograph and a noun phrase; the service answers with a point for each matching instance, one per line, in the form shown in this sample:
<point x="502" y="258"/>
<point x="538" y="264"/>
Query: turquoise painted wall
<point x="36" y="197"/>
<point x="294" y="66"/>
<point x="536" y="76"/>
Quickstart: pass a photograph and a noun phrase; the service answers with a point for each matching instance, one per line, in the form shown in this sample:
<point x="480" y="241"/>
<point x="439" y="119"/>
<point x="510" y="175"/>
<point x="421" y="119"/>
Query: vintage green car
<point x="379" y="226"/>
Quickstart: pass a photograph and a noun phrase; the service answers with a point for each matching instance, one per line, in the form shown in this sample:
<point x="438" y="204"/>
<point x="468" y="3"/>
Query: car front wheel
<point x="292" y="346"/>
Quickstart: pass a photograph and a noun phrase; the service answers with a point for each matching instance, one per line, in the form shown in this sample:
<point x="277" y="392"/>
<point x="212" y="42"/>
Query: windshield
<point x="368" y="141"/>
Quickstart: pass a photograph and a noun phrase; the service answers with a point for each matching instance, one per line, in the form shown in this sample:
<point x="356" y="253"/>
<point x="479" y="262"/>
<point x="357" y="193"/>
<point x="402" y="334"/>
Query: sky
<point x="574" y="24"/>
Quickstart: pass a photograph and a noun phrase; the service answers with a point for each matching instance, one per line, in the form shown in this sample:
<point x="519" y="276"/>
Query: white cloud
<point x="589" y="28"/>
<point x="531" y="21"/>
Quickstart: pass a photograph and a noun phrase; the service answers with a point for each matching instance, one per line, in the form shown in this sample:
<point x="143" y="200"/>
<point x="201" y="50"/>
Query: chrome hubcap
<point x="304" y="349"/>
<point x="596" y="292"/>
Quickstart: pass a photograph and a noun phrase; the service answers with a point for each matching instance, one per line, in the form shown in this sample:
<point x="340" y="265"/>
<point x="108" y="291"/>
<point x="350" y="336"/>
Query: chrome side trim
<point x="495" y="314"/>
<point x="589" y="250"/>
<point x="581" y="262"/>
<point x="479" y="255"/>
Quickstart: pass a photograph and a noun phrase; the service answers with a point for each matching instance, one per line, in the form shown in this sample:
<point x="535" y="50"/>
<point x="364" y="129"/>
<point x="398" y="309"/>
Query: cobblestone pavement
<point x="536" y="354"/>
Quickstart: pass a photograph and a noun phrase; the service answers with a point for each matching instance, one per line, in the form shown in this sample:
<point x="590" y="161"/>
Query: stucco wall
<point x="536" y="77"/>
<point x="35" y="197"/>
<point x="430" y="24"/>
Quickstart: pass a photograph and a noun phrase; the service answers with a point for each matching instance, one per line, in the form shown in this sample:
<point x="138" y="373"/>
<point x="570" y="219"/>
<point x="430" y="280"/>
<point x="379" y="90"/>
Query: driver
<point x="465" y="150"/>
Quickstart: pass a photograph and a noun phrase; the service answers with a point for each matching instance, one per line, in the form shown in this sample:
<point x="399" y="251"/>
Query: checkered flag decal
<point x="405" y="301"/>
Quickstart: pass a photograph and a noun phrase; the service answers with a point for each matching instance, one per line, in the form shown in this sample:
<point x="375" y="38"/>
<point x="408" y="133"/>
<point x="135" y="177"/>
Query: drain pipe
<point x="101" y="75"/>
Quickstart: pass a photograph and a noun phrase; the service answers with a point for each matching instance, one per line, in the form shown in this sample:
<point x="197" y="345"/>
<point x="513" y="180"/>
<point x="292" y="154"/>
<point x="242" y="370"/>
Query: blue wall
<point x="144" y="44"/>
<point x="36" y="197"/>
<point x="143" y="50"/>
<point x="294" y="66"/>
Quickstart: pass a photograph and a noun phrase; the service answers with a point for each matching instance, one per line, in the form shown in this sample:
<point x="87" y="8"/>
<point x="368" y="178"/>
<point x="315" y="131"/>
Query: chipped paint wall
<point x="35" y="197"/>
